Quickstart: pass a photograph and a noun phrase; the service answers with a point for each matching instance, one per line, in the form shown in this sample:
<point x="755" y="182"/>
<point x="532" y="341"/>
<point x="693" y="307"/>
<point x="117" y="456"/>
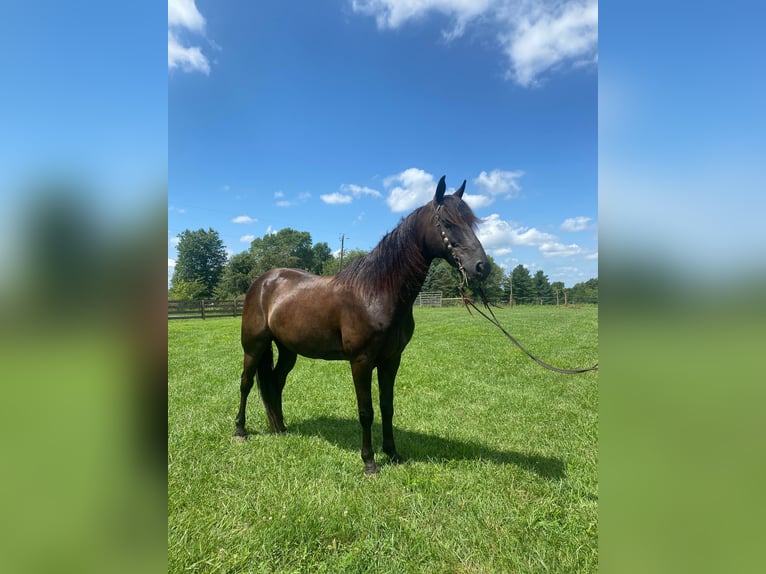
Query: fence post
<point x="202" y="307"/>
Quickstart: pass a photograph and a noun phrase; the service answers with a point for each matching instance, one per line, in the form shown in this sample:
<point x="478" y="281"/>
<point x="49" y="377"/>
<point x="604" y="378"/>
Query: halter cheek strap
<point x="450" y="247"/>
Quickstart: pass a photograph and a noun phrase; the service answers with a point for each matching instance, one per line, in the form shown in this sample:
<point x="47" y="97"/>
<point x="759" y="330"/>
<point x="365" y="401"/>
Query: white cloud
<point x="243" y="219"/>
<point x="394" y="13"/>
<point x="499" y="182"/>
<point x="348" y="191"/>
<point x="302" y="198"/>
<point x="477" y="201"/>
<point x="499" y="237"/>
<point x="575" y="223"/>
<point x="497" y="234"/>
<point x="556" y="249"/>
<point x="336" y="198"/>
<point x="171" y="262"/>
<point x="358" y="190"/>
<point x="175" y="240"/>
<point x="183" y="17"/>
<point x="535" y="36"/>
<point x="184" y="13"/>
<point x="415" y="187"/>
<point x="247" y="239"/>
<point x="541" y="41"/>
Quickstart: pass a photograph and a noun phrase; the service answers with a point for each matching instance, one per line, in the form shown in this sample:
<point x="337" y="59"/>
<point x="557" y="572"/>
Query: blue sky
<point x="339" y="117"/>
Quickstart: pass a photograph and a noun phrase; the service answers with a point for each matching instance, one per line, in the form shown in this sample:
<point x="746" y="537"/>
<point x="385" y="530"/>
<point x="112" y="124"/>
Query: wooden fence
<point x="203" y="309"/>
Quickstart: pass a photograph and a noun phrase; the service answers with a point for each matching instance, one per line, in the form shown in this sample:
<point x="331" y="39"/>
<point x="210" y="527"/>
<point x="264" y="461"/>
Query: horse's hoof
<point x="371" y="469"/>
<point x="396" y="458"/>
<point x="240" y="434"/>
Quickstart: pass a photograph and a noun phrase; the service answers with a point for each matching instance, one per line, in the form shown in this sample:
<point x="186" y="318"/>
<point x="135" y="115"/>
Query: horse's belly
<point x="315" y="346"/>
<point x="307" y="329"/>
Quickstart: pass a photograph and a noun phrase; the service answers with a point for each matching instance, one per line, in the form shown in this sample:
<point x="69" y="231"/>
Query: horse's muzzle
<point x="482" y="269"/>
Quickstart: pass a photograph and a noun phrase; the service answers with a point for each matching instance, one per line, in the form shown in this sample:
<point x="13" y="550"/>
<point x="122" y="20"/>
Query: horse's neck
<point x="396" y="268"/>
<point x="410" y="272"/>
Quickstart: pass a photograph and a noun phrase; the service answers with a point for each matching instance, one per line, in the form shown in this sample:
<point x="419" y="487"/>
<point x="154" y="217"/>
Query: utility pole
<point x="342" y="243"/>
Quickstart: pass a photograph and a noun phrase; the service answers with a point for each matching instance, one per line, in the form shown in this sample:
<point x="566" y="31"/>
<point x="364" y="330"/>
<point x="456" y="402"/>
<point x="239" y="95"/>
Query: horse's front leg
<point x="362" y="373"/>
<point x="386" y="377"/>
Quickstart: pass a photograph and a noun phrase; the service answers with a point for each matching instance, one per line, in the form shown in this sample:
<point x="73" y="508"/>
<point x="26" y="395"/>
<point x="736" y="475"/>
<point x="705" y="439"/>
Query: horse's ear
<point x="460" y="191"/>
<point x="440" y="189"/>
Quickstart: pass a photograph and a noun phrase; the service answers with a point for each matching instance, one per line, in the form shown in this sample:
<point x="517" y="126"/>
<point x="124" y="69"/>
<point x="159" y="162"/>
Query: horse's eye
<point x="448" y="225"/>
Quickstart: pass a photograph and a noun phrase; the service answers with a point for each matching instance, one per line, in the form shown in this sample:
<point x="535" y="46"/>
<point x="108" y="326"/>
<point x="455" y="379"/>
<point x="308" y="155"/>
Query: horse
<point x="362" y="315"/>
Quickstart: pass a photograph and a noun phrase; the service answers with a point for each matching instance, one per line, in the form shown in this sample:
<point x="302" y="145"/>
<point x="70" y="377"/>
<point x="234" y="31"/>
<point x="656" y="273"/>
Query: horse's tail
<point x="265" y="370"/>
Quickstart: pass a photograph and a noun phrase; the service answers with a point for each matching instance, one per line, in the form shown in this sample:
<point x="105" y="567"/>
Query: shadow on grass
<point x="417" y="446"/>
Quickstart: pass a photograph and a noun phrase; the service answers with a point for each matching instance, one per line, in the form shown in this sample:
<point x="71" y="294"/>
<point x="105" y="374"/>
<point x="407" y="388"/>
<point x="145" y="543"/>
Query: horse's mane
<point x="396" y="265"/>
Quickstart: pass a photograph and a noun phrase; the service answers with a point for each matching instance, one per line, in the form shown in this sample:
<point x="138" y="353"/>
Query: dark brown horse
<point x="362" y="315"/>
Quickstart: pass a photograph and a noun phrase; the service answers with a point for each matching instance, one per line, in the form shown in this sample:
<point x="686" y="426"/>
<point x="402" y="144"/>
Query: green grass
<point x="501" y="471"/>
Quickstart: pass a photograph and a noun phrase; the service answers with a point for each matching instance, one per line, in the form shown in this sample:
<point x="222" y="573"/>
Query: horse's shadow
<point x="422" y="447"/>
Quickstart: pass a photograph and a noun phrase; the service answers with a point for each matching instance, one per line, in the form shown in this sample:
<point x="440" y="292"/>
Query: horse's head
<point x="453" y="237"/>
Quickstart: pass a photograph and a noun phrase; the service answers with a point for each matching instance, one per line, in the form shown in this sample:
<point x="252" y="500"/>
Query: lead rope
<point x="468" y="302"/>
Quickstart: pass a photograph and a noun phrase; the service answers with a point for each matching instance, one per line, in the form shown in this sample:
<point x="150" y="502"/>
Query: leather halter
<point x="450" y="247"/>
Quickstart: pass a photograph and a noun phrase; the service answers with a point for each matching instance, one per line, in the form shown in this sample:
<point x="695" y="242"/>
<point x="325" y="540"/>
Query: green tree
<point x="542" y="288"/>
<point x="286" y="248"/>
<point x="493" y="284"/>
<point x="331" y="266"/>
<point x="237" y="276"/>
<point x="321" y="256"/>
<point x="441" y="278"/>
<point x="522" y="287"/>
<point x="586" y="292"/>
<point x="187" y="290"/>
<point x="201" y="259"/>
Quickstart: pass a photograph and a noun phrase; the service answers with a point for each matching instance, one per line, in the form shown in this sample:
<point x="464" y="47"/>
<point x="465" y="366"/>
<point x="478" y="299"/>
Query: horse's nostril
<point x="481" y="268"/>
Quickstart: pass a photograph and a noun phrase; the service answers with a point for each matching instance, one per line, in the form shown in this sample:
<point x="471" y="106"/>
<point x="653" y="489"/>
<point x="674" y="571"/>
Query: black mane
<point x="396" y="265"/>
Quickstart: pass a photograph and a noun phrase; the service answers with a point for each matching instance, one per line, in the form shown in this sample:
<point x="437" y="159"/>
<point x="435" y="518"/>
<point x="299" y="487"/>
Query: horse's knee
<point x="365" y="417"/>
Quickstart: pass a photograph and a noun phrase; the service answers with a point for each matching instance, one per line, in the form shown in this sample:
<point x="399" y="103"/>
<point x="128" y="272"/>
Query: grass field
<point x="501" y="470"/>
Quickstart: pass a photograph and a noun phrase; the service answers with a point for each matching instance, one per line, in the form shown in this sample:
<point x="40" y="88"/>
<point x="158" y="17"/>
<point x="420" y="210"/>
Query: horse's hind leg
<point x="246" y="384"/>
<point x="285" y="363"/>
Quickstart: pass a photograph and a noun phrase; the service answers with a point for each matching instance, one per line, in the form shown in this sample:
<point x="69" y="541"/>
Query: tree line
<point x="203" y="271"/>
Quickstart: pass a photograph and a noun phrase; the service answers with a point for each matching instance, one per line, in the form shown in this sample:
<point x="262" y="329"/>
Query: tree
<point x="201" y="259"/>
<point x="542" y="288"/>
<point x="237" y="276"/>
<point x="321" y="255"/>
<point x="586" y="292"/>
<point x="521" y="285"/>
<point x="286" y="248"/>
<point x="441" y="278"/>
<point x="493" y="284"/>
<point x="331" y="266"/>
<point x="187" y="290"/>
